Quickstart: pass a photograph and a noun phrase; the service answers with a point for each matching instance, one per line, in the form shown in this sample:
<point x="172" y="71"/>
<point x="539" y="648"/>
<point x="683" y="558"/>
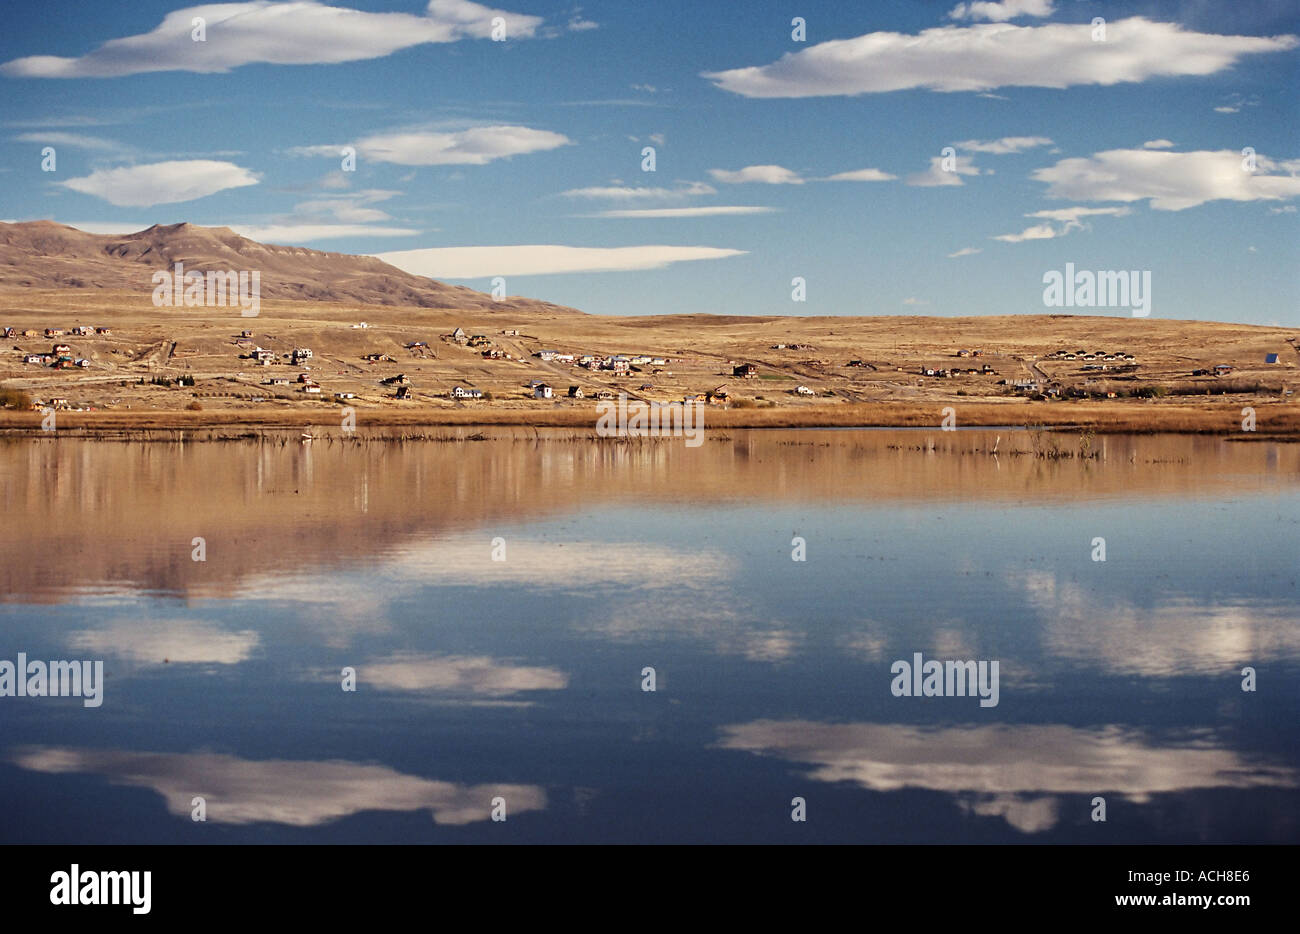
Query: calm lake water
<point x="522" y="679"/>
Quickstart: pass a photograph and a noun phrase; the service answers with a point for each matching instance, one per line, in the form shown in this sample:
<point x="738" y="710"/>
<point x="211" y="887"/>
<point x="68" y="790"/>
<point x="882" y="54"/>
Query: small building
<point x="511" y="332"/>
<point x="84" y="330"/>
<point x="61" y="348"/>
<point x="301" y="353"/>
<point x="403" y="392"/>
<point x="276" y="381"/>
<point x="546" y="356"/>
<point x="464" y="392"/>
<point x="1270" y="358"/>
<point x="245" y="334"/>
<point x="311" y="388"/>
<point x="1222" y="369"/>
<point x="340" y="396"/>
<point x="54" y="332"/>
<point x="458" y="335"/>
<point x="604" y="394"/>
<point x="9" y="332"/>
<point x="745" y="371"/>
<point x="542" y="391"/>
<point x="575" y="392"/>
<point x="804" y="391"/>
<point x="416" y="345"/>
<point x="82" y="362"/>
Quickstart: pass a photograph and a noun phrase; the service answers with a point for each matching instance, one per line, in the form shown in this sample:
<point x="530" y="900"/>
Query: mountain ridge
<point x="47" y="254"/>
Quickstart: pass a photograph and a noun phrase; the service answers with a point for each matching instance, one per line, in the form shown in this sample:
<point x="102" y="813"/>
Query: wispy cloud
<point x="1005" y="145"/>
<point x="303" y="32"/>
<point x="619" y="192"/>
<point x="860" y="175"/>
<point x="718" y="210"/>
<point x="936" y="176"/>
<point x="1002" y="11"/>
<point x="290" y="234"/>
<point x="477" y="262"/>
<point x="474" y="146"/>
<point x="1067" y="220"/>
<point x="996" y="55"/>
<point x="76" y="141"/>
<point x="965" y="251"/>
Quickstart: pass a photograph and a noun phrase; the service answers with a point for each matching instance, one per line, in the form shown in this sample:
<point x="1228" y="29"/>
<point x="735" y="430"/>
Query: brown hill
<point x="45" y="255"/>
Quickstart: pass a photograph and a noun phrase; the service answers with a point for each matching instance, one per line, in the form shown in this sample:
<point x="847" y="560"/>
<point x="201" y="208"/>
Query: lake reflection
<point x="515" y="685"/>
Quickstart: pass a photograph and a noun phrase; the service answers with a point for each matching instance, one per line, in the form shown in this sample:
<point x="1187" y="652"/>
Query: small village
<point x="97" y="367"/>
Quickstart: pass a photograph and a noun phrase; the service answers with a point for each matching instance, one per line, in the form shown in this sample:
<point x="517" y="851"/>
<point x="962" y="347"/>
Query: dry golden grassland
<point x="203" y="344"/>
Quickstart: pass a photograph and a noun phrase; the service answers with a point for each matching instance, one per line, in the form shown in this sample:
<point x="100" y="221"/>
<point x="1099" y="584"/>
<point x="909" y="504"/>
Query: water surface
<point x="521" y="679"/>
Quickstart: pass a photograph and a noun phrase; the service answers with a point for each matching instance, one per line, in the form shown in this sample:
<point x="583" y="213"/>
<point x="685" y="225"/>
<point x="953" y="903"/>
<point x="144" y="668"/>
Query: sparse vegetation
<point x="14" y="399"/>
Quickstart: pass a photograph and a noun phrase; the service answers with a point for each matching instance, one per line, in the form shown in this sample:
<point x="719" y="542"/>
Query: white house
<point x="542" y="391"/>
<point x="462" y="392"/>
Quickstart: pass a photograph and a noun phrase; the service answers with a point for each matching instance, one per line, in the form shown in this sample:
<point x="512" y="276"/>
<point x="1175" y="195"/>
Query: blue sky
<point x="468" y="148"/>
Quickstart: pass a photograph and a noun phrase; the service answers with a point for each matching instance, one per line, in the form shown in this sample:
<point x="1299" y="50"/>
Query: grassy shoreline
<point x="1109" y="418"/>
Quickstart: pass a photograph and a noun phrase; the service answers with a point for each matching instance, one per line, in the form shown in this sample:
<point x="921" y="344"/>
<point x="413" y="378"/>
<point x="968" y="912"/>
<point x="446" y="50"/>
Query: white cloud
<point x="1227" y="110"/>
<point x="162" y="182"/>
<point x="160" y="641"/>
<point x="641" y="193"/>
<point x="330" y="216"/>
<point x="474" y="146"/>
<point x="578" y="24"/>
<point x="1001" y="12"/>
<point x="935" y="176"/>
<point x="914" y="301"/>
<point x="453" y="674"/>
<point x="720" y="210"/>
<point x="764" y="174"/>
<point x="860" y="175"/>
<point x="1071" y="215"/>
<point x="965" y="251"/>
<point x="996" y="55"/>
<point x="1010" y="771"/>
<point x="297" y="793"/>
<point x="353" y="207"/>
<point x="1284" y="209"/>
<point x="1172" y="181"/>
<point x="304" y="233"/>
<point x="476" y="262"/>
<point x="1037" y="232"/>
<point x="1068" y="218"/>
<point x="76" y="141"/>
<point x="1158" y="144"/>
<point x="302" y="32"/>
<point x="1001" y="147"/>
